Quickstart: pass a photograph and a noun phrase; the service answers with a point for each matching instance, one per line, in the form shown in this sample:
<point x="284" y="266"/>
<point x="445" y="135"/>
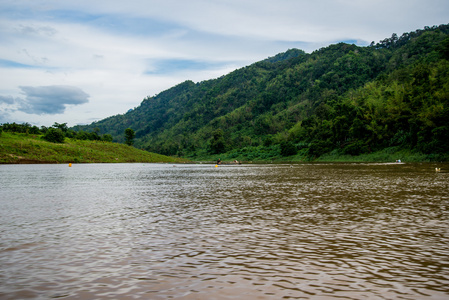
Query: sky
<point x="79" y="61"/>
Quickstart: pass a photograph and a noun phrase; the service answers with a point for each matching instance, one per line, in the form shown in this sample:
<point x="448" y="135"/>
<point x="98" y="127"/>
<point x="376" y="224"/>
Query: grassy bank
<point x="385" y="155"/>
<point x="22" y="148"/>
<point x="272" y="154"/>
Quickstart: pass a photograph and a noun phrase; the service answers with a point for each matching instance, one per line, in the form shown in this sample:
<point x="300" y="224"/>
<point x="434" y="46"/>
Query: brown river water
<point x="155" y="231"/>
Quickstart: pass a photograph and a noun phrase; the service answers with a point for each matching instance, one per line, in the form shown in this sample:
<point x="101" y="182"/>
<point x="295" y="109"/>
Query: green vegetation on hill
<point x="28" y="148"/>
<point x="340" y="101"/>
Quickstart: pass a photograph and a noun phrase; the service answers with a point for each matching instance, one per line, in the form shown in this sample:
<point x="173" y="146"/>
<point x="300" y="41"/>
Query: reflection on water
<point x="145" y="231"/>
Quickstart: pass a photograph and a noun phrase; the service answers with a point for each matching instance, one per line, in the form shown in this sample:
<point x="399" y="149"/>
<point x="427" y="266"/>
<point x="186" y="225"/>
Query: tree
<point x="107" y="138"/>
<point x="318" y="148"/>
<point x="54" y="135"/>
<point x="444" y="48"/>
<point x="62" y="126"/>
<point x="217" y="143"/>
<point x="288" y="149"/>
<point x="129" y="136"/>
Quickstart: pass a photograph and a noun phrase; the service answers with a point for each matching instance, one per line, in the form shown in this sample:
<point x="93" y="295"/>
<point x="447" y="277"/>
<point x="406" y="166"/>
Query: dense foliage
<point x="56" y="133"/>
<point x="342" y="98"/>
<point x="129" y="136"/>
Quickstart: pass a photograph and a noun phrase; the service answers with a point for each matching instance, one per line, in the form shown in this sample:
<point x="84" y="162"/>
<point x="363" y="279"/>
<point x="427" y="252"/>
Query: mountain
<point x="341" y="99"/>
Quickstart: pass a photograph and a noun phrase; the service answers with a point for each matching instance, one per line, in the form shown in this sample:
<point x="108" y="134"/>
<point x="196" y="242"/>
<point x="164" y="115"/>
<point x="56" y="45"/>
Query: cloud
<point x="42" y="30"/>
<point x="6" y="100"/>
<point x="50" y="100"/>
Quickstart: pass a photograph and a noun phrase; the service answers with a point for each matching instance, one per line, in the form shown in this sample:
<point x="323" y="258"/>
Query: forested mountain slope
<point x="342" y="98"/>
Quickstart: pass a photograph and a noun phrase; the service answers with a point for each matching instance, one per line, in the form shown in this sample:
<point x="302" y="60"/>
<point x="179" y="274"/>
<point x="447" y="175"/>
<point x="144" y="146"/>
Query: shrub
<point x="107" y="138"/>
<point x="356" y="148"/>
<point x="288" y="149"/>
<point x="54" y="135"/>
<point x="319" y="148"/>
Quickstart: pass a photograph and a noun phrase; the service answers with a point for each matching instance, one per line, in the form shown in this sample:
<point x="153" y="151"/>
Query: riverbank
<point x="17" y="148"/>
<point x="262" y="154"/>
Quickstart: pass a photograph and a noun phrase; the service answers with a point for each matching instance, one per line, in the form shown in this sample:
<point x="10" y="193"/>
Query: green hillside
<point x="28" y="148"/>
<point x="341" y="100"/>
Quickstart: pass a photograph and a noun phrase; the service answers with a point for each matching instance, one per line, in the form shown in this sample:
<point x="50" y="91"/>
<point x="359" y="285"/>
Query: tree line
<point x="59" y="131"/>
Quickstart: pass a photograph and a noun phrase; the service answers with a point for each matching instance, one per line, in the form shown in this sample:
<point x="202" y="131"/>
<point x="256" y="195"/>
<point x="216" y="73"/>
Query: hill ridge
<point x="342" y="98"/>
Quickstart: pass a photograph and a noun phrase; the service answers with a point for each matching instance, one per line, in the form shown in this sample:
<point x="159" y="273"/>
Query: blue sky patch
<point x="169" y="66"/>
<point x="4" y="63"/>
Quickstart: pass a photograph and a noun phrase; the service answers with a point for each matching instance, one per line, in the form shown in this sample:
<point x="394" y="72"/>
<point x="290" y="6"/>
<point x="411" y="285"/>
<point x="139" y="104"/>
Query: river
<point x="161" y="231"/>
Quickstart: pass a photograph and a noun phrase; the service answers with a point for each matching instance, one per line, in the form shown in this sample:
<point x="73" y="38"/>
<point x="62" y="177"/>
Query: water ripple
<point x="139" y="231"/>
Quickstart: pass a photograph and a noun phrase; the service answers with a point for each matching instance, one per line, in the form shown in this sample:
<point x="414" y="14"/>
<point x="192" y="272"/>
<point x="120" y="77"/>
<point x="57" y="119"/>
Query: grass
<point x="246" y="154"/>
<point x="270" y="154"/>
<point x="385" y="155"/>
<point x="22" y="148"/>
